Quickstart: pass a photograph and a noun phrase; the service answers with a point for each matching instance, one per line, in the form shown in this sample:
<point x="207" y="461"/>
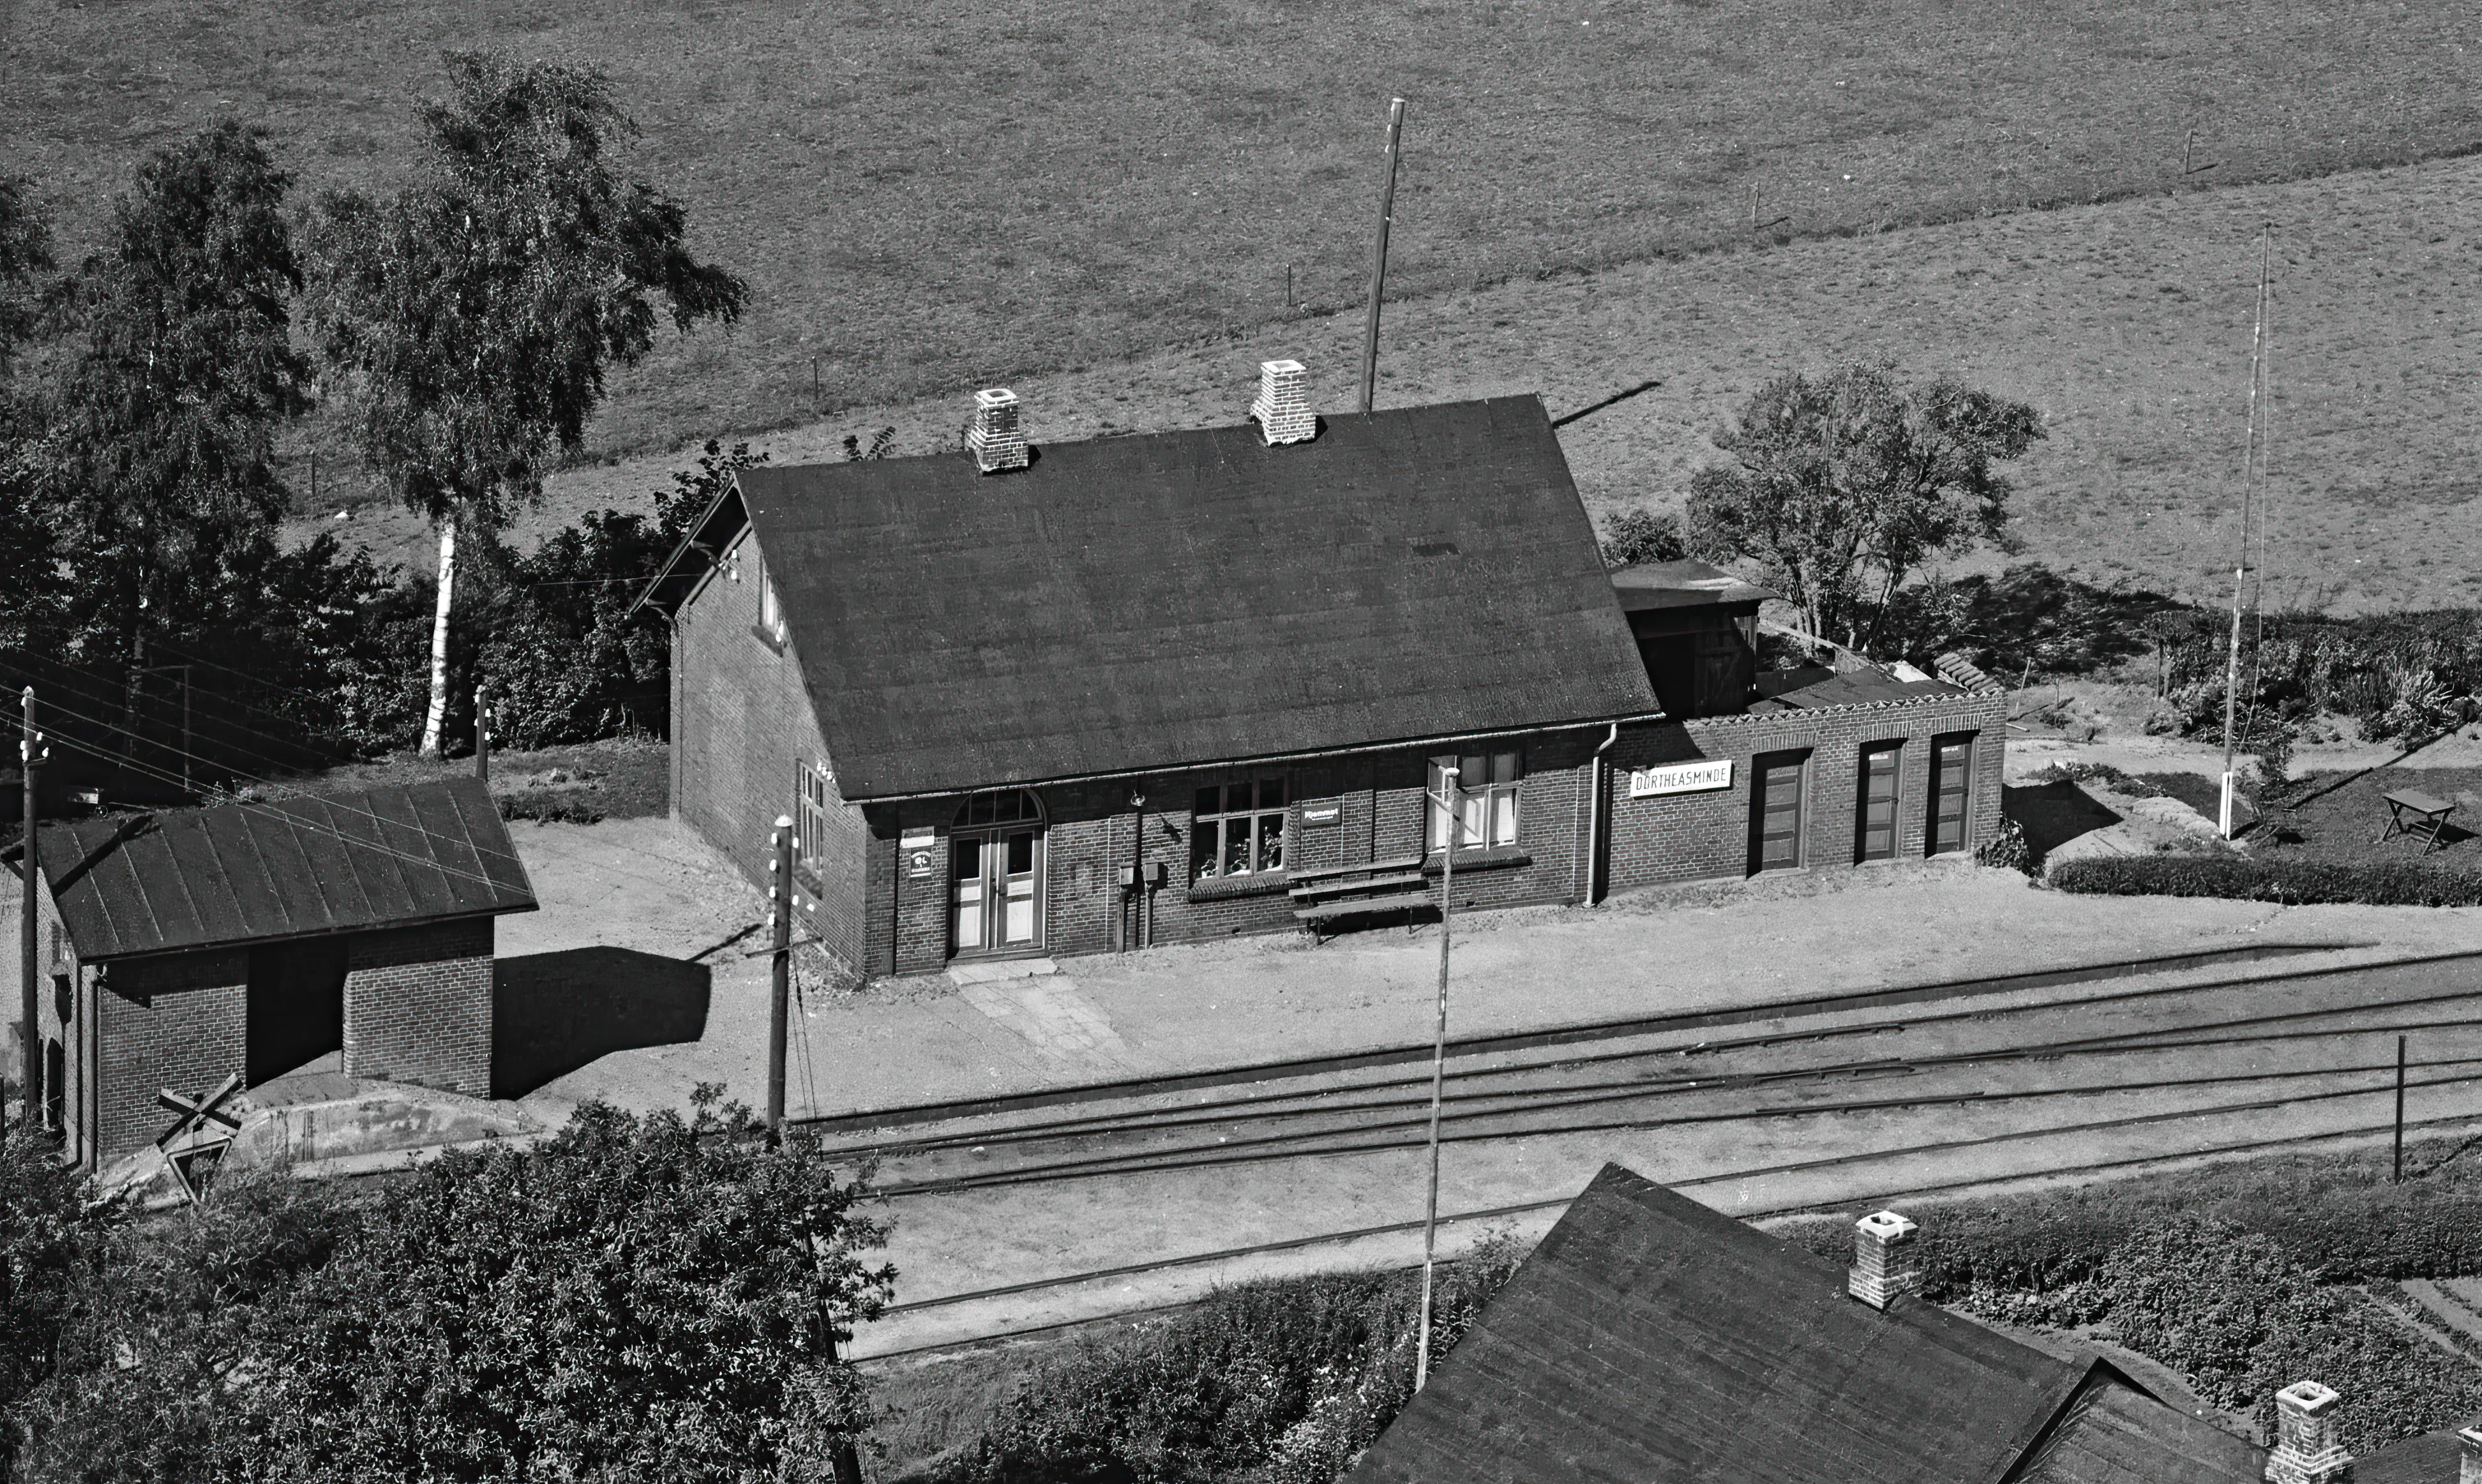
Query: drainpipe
<point x="1595" y="818"/>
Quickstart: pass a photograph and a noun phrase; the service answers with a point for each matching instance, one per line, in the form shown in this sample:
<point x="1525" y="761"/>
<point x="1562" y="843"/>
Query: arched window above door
<point x="1011" y="807"/>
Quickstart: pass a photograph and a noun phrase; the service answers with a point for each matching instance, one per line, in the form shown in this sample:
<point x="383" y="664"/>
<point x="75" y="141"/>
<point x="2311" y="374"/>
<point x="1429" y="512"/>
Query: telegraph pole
<point x="1450" y="796"/>
<point x="30" y="752"/>
<point x="780" y="918"/>
<point x="1379" y="255"/>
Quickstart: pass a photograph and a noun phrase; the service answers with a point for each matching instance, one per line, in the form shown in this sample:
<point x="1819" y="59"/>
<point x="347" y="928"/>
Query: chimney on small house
<point x="2469" y="1442"/>
<point x="2306" y="1449"/>
<point x="1886" y="1262"/>
<point x="995" y="438"/>
<point x="1284" y="405"/>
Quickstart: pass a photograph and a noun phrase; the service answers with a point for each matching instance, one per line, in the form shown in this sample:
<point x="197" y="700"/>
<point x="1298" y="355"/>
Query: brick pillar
<point x="2469" y="1467"/>
<point x="1885" y="1259"/>
<point x="418" y="1006"/>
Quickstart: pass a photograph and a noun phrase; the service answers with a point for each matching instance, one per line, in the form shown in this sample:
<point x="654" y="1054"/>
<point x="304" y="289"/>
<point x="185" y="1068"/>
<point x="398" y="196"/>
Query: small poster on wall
<point x="1680" y="778"/>
<point x="917" y="846"/>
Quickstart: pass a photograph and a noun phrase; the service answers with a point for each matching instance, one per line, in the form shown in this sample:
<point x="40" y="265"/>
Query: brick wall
<point x="418" y="1006"/>
<point x="178" y="1022"/>
<point x="1088" y="843"/>
<point x="1695" y="836"/>
<point x="742" y="729"/>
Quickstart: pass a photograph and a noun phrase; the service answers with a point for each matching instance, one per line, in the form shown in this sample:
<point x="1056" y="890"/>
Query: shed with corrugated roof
<point x="352" y="931"/>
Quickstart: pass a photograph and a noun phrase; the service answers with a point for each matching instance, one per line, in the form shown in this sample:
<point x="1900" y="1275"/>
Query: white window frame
<point x="1489" y="808"/>
<point x="814" y="795"/>
<point x="771" y="608"/>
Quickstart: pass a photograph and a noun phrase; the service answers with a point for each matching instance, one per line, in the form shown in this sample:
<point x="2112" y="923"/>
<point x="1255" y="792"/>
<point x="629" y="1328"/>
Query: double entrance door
<point x="995" y="886"/>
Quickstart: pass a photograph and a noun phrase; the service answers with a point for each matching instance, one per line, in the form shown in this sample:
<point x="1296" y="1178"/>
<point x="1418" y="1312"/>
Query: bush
<point x="1285" y="1382"/>
<point x="2009" y="849"/>
<point x="2293" y="882"/>
<point x="1642" y="536"/>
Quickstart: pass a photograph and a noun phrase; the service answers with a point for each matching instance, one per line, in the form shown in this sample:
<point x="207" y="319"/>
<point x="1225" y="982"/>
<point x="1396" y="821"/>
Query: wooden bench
<point x="1332" y="892"/>
<point x="2421" y="815"/>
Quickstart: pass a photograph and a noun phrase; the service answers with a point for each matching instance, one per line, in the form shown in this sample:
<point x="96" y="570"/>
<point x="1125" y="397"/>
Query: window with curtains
<point x="771" y="609"/>
<point x="1238" y="829"/>
<point x="1485" y="788"/>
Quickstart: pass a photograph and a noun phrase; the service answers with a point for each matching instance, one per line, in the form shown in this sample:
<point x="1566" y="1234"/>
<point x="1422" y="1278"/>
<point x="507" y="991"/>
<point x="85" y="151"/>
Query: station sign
<point x="1680" y="778"/>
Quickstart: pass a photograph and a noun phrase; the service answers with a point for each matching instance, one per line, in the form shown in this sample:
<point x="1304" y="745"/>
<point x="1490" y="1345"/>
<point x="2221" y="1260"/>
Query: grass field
<point x="932" y="195"/>
<point x="2127" y="324"/>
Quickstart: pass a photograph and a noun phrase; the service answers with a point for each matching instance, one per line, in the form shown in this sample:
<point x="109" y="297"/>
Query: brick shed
<point x="352" y="932"/>
<point x="1084" y="697"/>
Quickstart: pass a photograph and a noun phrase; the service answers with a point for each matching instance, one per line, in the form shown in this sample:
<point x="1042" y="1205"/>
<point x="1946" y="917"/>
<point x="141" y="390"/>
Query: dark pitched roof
<point x="300" y="867"/>
<point x="1683" y="584"/>
<point x="2113" y="1434"/>
<point x="2429" y="1458"/>
<point x="1650" y="1338"/>
<point x="1136" y="603"/>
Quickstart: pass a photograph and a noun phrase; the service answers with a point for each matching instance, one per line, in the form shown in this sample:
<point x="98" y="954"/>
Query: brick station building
<point x="1092" y="695"/>
<point x="352" y="932"/>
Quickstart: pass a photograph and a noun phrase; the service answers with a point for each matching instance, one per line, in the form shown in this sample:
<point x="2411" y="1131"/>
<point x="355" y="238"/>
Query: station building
<point x="1077" y="697"/>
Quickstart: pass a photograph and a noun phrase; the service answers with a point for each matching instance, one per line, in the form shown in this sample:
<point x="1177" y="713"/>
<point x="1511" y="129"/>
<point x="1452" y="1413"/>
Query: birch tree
<point x="1843" y="485"/>
<point x="469" y="320"/>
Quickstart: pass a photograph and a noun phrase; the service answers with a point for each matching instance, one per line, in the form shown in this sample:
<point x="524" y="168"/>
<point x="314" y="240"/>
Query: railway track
<point x="1675" y="1082"/>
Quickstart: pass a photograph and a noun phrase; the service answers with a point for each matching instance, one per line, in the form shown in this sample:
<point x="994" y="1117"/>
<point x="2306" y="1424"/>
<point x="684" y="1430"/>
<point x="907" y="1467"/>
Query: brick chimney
<point x="1284" y="405"/>
<point x="1885" y="1259"/>
<point x="995" y="436"/>
<point x="2469" y="1468"/>
<point x="2306" y="1449"/>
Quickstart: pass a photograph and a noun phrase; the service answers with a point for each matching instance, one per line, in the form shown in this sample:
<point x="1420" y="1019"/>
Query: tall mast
<point x="2240" y="566"/>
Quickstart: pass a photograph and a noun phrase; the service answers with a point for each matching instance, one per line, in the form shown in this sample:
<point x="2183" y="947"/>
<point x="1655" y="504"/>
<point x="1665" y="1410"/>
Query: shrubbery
<point x="636" y="1297"/>
<point x="1276" y="1383"/>
<point x="2293" y="882"/>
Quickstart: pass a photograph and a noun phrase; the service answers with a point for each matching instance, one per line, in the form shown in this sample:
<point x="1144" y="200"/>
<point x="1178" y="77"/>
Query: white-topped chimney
<point x="995" y="438"/>
<point x="2468" y="1444"/>
<point x="1284" y="405"/>
<point x="2306" y="1448"/>
<point x="1886" y="1262"/>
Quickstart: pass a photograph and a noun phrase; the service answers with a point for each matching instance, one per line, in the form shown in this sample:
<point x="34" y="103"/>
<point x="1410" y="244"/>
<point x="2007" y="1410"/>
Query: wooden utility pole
<point x="482" y="736"/>
<point x="1379" y="255"/>
<point x="779" y="993"/>
<point x="30" y="754"/>
<point x="2240" y="569"/>
<point x="1450" y="797"/>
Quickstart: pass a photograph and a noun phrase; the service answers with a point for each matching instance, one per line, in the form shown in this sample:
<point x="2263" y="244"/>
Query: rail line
<point x="1275" y="1147"/>
<point x="1897" y="1192"/>
<point x="1347" y="1100"/>
<point x="1498" y="1043"/>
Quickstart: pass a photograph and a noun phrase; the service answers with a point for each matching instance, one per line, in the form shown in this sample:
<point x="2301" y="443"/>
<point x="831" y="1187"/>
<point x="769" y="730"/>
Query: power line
<point x="237" y="802"/>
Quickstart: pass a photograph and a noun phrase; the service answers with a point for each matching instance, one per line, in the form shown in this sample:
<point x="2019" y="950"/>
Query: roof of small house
<point x="2428" y="1458"/>
<point x="1651" y="1337"/>
<point x="1683" y="584"/>
<point x="1128" y="604"/>
<point x="1813" y="686"/>
<point x="241" y="873"/>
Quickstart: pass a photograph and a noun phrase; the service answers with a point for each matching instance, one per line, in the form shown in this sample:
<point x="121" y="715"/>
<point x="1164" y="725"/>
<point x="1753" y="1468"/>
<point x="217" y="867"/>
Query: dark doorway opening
<point x="296" y="1007"/>
<point x="1776" y="810"/>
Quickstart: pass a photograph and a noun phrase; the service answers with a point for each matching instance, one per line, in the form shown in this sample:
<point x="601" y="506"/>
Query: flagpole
<point x="1451" y="795"/>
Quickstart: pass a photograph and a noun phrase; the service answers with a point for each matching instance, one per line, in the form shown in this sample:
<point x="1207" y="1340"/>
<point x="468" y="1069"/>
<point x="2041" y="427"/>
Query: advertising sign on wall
<point x="1680" y="778"/>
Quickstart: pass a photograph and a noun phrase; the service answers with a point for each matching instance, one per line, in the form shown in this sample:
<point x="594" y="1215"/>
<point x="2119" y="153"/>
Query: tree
<point x="473" y="318"/>
<point x="161" y="467"/>
<point x="637" y="1298"/>
<point x="1845" y="485"/>
<point x="25" y="257"/>
<point x="26" y="603"/>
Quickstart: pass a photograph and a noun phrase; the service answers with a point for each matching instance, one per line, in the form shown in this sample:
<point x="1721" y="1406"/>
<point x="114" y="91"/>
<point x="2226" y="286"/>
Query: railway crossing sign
<point x="196" y="1141"/>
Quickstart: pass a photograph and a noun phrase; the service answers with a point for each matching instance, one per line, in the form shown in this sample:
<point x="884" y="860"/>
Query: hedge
<point x="2337" y="1213"/>
<point x="2294" y="881"/>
